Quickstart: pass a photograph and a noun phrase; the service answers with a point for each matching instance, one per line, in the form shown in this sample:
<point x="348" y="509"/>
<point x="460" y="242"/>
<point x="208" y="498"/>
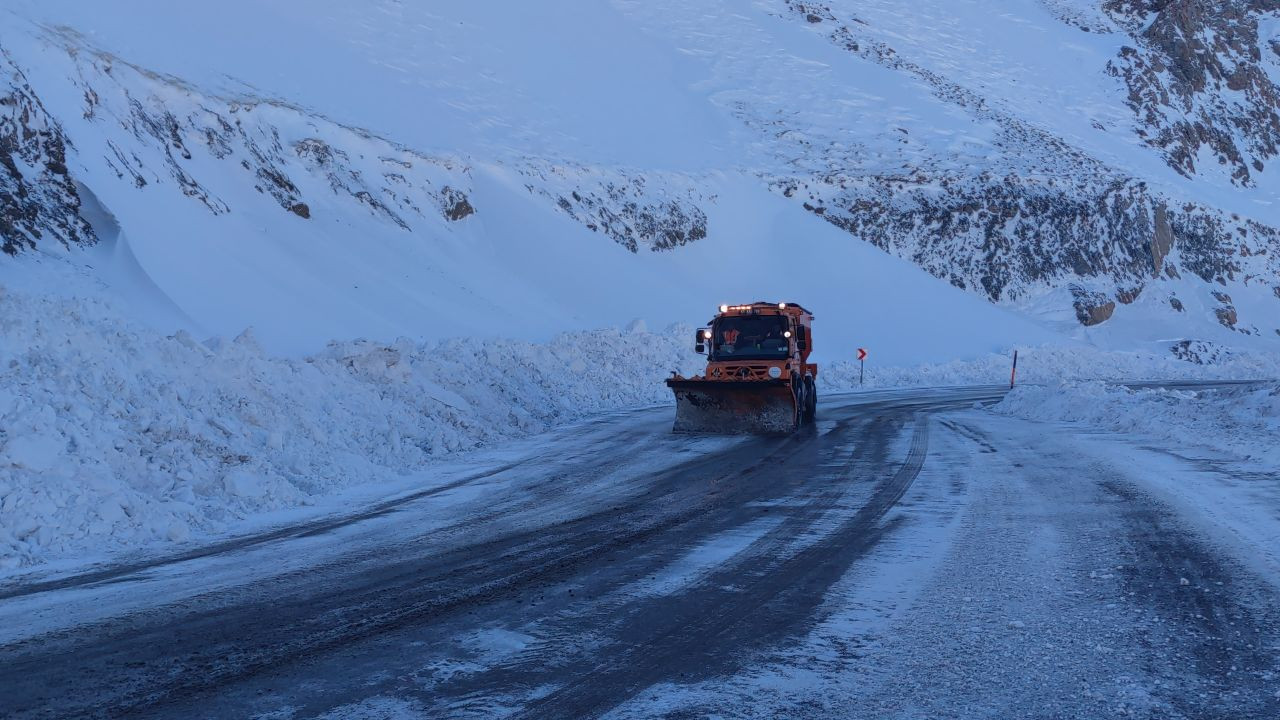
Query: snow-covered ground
<point x="112" y="434"/>
<point x="115" y="436"/>
<point x="426" y="230"/>
<point x="1212" y="452"/>
<point x="413" y="274"/>
<point x="917" y="555"/>
<point x="214" y="242"/>
<point x="575" y="134"/>
<point x="1242" y="421"/>
<point x="1122" y="564"/>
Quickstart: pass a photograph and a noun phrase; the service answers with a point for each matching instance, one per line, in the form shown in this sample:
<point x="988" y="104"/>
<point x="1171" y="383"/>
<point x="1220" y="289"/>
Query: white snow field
<point x="519" y="267"/>
<point x="547" y="119"/>
<point x="1213" y="453"/>
<point x="1243" y="422"/>
<point x="436" y="268"/>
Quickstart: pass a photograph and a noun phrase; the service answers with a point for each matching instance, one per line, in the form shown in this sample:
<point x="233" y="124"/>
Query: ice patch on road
<point x="705" y="557"/>
<point x="496" y="642"/>
<point x="376" y="708"/>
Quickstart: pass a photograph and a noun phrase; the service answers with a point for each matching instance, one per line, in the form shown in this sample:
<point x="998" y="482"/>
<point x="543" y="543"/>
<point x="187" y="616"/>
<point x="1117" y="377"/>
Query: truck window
<point x="750" y="337"/>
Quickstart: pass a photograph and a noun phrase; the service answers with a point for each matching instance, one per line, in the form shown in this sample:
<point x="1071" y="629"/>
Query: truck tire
<point x="811" y="400"/>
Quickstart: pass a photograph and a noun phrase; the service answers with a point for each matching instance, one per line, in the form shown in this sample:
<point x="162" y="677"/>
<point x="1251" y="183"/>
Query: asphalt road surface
<point x="912" y="555"/>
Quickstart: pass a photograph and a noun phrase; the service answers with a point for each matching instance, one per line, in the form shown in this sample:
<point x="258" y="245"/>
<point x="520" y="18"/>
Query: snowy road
<point x="912" y="556"/>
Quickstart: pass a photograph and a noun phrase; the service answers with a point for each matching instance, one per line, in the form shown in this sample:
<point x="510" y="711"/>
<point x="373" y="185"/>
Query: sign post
<point x="1014" y="374"/>
<point x="862" y="365"/>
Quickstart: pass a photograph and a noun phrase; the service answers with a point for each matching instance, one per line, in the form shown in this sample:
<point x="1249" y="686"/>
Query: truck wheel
<point x="811" y="400"/>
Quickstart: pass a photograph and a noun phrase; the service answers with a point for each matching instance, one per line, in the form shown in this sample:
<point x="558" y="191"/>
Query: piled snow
<point x="113" y="435"/>
<point x="1051" y="364"/>
<point x="1243" y="421"/>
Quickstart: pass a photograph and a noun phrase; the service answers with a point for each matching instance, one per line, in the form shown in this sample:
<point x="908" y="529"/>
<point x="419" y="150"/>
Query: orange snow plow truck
<point x="758" y="377"/>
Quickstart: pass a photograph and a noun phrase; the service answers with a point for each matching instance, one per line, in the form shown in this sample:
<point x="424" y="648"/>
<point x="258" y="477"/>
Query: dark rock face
<point x="154" y="136"/>
<point x="1162" y="239"/>
<point x="1050" y="215"/>
<point x="994" y="235"/>
<point x="38" y="197"/>
<point x="164" y="134"/>
<point x="1092" y="308"/>
<point x="1226" y="312"/>
<point x="626" y="207"/>
<point x="1200" y="352"/>
<point x="334" y="165"/>
<point x="227" y="131"/>
<point x="1127" y="296"/>
<point x="1176" y="304"/>
<point x="660" y="226"/>
<point x="1187" y="59"/>
<point x="1000" y="236"/>
<point x="455" y="204"/>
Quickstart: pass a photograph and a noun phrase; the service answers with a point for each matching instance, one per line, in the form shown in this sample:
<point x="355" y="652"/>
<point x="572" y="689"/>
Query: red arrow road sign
<point x="862" y="353"/>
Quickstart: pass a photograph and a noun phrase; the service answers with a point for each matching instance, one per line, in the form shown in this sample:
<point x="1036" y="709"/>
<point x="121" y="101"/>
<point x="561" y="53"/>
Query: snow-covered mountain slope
<point x="323" y="169"/>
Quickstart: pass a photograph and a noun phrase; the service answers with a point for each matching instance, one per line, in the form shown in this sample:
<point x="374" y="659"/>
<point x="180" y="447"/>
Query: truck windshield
<point x="750" y="337"/>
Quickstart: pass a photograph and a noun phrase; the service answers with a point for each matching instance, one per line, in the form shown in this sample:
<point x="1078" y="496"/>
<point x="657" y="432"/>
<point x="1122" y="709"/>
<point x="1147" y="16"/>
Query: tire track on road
<point x="292" y="628"/>
<point x="689" y="636"/>
<point x="156" y="662"/>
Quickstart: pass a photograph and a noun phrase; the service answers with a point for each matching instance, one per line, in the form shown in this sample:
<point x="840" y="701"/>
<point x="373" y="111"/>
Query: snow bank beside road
<point x="1051" y="365"/>
<point x="1242" y="421"/>
<point x="1211" y="455"/>
<point x="113" y="435"/>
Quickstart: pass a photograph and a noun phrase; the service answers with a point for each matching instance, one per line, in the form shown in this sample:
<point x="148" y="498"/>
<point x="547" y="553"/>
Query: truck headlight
<point x="775" y="372"/>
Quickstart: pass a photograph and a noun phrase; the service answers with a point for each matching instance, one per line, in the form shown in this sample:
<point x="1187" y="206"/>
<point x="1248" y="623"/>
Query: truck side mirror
<point x="802" y="339"/>
<point x="700" y="341"/>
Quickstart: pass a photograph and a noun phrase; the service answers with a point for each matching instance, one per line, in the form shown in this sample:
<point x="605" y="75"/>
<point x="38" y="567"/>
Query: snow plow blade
<point x="734" y="407"/>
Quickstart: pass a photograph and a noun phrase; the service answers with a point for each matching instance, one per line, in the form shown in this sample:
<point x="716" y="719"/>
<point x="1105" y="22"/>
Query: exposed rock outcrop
<point x="455" y="204"/>
<point x="1200" y="352"/>
<point x="38" y="198"/>
<point x="1050" y="214"/>
<point x="637" y="211"/>
<point x="1226" y="311"/>
<point x="1190" y="63"/>
<point x="1161" y="239"/>
<point x="1092" y="308"/>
